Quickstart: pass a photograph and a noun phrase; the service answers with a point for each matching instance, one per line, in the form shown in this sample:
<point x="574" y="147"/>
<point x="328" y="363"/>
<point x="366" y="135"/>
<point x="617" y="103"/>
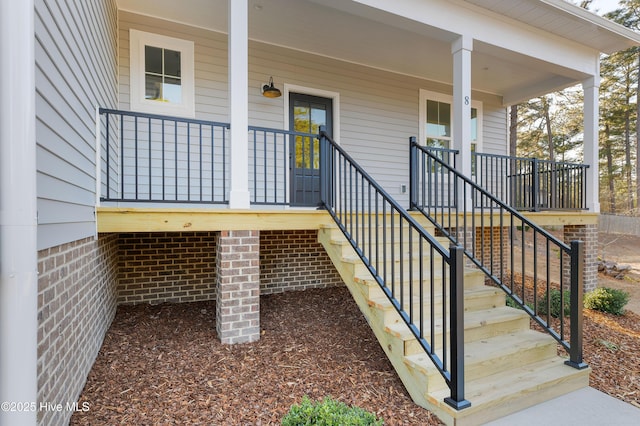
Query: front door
<point x="307" y="113"/>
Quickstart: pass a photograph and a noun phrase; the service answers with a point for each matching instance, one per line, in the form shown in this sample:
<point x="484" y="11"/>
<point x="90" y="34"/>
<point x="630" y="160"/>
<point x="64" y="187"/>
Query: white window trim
<point x="137" y="41"/>
<point x="440" y="97"/>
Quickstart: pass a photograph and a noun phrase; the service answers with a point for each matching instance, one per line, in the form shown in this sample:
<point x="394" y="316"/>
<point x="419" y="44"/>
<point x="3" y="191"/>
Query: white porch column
<point x="461" y="132"/>
<point x="18" y="210"/>
<point x="239" y="197"/>
<point x="591" y="87"/>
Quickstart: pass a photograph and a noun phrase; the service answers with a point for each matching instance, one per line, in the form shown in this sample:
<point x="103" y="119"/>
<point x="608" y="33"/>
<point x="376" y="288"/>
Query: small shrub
<point x="513" y="304"/>
<point x="606" y="300"/>
<point x="555" y="304"/>
<point x="328" y="413"/>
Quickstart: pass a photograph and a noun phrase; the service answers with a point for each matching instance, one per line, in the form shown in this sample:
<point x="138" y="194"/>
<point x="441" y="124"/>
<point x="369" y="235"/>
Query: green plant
<point x="328" y="412"/>
<point x="556" y="307"/>
<point x="606" y="299"/>
<point x="513" y="304"/>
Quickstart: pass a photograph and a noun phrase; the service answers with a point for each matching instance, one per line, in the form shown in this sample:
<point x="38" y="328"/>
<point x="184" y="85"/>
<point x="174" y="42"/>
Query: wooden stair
<point x="508" y="366"/>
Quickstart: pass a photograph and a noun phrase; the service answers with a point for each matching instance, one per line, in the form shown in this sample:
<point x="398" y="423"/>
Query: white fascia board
<point x="488" y="27"/>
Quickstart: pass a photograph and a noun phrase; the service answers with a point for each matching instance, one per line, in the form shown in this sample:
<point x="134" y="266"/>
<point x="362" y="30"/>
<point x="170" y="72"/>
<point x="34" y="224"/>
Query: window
<point x="162" y="75"/>
<point x="436" y="121"/>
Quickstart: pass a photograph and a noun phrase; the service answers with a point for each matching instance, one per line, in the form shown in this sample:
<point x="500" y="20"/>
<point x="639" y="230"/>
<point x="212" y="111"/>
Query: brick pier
<point x="238" y="286"/>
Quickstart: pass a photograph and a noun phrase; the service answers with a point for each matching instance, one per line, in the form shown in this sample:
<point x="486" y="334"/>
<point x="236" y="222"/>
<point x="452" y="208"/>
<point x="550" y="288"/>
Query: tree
<point x="619" y="93"/>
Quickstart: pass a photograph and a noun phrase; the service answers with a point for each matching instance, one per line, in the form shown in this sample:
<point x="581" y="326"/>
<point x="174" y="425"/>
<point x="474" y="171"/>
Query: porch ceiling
<point x="357" y="33"/>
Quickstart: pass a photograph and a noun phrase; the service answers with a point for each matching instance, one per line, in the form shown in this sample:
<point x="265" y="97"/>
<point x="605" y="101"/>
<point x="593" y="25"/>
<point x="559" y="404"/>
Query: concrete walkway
<point x="583" y="407"/>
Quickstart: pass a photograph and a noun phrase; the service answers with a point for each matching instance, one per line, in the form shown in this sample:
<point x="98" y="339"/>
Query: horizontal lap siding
<point x="75" y="47"/>
<point x="379" y="110"/>
<point x="495" y="130"/>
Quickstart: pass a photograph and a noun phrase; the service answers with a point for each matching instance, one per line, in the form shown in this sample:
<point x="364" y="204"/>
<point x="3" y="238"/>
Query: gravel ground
<point x="164" y="365"/>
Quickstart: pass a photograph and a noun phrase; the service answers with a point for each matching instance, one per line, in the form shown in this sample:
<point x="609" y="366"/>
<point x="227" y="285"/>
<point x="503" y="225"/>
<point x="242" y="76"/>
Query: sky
<point x="603" y="6"/>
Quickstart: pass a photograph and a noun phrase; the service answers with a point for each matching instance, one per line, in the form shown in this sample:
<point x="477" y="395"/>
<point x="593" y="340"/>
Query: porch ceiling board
<point x="418" y="43"/>
<point x="539" y="44"/>
<point x="184" y="219"/>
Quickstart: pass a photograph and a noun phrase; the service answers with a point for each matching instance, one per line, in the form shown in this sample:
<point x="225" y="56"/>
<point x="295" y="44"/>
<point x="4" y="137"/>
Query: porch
<point x="398" y="272"/>
<point x="226" y="155"/>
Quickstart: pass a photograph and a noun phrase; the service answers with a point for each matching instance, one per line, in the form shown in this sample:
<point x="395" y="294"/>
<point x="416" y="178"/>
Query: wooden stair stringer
<point x="391" y="345"/>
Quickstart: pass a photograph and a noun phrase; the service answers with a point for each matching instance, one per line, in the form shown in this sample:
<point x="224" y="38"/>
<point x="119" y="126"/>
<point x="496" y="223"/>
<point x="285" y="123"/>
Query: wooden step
<point x="509" y="391"/>
<point x="473" y="279"/>
<point x="478" y="325"/>
<point x="475" y="299"/>
<point x="491" y="356"/>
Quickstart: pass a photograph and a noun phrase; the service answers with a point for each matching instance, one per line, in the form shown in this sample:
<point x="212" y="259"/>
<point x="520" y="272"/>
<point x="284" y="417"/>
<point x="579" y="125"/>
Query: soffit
<point x="355" y="33"/>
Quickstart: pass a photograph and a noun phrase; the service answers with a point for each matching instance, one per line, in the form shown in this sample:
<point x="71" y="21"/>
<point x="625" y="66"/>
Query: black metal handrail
<point x="532" y="184"/>
<point x="464" y="211"/>
<point x="157" y="158"/>
<point x="413" y="270"/>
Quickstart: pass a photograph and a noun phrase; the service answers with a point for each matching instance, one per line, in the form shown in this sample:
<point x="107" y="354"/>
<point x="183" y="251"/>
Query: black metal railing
<point x="532" y="184"/>
<point x="422" y="279"/>
<point x="533" y="267"/>
<point x="155" y="158"/>
<point x="270" y="156"/>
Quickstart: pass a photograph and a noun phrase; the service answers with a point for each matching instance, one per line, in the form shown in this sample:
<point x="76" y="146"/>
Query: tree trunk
<point x="609" y="155"/>
<point x="627" y="151"/>
<point x="638" y="137"/>
<point x="547" y="119"/>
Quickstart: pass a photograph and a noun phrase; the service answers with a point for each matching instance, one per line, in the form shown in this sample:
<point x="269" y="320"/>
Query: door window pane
<point x="308" y="118"/>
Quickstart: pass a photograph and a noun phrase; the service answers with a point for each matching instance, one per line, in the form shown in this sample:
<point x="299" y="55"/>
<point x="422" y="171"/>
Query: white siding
<point x="379" y="110"/>
<point x="495" y="130"/>
<point x="75" y="72"/>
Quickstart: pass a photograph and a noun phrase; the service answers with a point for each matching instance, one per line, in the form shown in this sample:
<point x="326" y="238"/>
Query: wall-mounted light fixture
<point x="269" y="91"/>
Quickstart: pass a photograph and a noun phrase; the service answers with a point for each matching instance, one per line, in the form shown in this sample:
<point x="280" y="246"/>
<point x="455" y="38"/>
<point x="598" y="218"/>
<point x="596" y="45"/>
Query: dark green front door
<point x="307" y="113"/>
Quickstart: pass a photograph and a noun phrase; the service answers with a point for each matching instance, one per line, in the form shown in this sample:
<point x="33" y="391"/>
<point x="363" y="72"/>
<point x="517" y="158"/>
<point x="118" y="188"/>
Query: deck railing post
<point x="324" y="168"/>
<point x="535" y="183"/>
<point x="413" y="173"/>
<point x="577" y="279"/>
<point x="456" y="334"/>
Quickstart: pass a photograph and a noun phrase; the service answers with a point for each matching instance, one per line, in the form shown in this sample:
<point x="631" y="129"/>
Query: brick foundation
<point x="492" y="248"/>
<point x="294" y="260"/>
<point x="76" y="304"/>
<point x="164" y="267"/>
<point x="589" y="235"/>
<point x="238" y="286"/>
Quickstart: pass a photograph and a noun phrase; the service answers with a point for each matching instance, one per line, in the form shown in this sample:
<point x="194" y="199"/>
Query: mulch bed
<point x="164" y="365"/>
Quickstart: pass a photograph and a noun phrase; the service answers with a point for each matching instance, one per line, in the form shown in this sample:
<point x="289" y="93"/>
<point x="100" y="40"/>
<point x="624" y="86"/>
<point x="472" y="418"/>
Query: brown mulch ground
<point x="164" y="365"/>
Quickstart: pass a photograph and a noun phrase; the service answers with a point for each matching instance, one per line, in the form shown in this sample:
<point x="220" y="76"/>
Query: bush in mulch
<point x="328" y="412"/>
<point x="606" y="299"/>
<point x="559" y="303"/>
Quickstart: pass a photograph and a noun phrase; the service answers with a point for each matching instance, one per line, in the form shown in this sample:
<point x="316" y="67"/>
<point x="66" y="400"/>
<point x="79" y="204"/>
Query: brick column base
<point x="238" y="287"/>
<point x="589" y="235"/>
